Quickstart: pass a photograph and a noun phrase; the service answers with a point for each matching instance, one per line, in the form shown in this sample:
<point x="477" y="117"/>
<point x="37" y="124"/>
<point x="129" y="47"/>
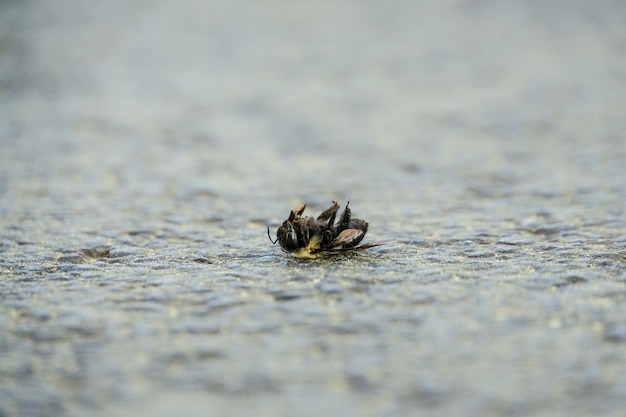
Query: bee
<point x="308" y="237"/>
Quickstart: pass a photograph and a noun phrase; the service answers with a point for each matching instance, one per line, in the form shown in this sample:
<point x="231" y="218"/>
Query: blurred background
<point x="150" y="133"/>
<point x="326" y="99"/>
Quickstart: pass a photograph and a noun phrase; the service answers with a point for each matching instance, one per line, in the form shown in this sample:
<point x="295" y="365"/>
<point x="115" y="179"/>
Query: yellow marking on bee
<point x="308" y="252"/>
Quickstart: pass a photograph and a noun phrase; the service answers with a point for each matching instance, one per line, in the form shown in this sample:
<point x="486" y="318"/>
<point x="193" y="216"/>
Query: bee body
<point x="308" y="237"/>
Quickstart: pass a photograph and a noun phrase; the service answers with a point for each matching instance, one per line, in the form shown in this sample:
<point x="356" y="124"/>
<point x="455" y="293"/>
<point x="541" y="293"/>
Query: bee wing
<point x="373" y="245"/>
<point x="337" y="250"/>
<point x="346" y="236"/>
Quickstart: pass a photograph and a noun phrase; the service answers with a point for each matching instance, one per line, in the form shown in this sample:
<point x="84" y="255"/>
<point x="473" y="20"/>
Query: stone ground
<point x="145" y="146"/>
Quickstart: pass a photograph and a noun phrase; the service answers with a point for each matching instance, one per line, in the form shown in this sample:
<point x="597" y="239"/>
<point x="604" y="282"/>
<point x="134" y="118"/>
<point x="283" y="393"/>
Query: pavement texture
<point x="145" y="146"/>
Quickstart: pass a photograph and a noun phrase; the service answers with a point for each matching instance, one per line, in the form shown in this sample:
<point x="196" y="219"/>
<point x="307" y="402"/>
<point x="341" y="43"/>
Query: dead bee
<point x="306" y="237"/>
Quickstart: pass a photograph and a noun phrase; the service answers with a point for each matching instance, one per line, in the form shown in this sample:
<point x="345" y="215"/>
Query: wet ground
<point x="145" y="146"/>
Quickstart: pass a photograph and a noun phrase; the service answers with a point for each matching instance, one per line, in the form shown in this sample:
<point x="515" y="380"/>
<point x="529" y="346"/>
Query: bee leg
<point x="344" y="222"/>
<point x="329" y="214"/>
<point x="328" y="221"/>
<point x="300" y="210"/>
<point x="295" y="214"/>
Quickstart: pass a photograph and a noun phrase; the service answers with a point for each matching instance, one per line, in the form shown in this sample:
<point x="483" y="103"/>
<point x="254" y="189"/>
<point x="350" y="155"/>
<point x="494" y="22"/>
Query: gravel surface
<point x="145" y="146"/>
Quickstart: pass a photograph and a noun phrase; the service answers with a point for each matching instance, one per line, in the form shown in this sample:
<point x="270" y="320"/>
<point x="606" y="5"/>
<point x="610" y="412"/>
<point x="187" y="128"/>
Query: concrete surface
<point x="145" y="146"/>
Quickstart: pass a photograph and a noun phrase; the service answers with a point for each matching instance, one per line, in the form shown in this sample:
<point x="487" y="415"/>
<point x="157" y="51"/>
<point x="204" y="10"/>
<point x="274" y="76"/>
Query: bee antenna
<point x="270" y="237"/>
